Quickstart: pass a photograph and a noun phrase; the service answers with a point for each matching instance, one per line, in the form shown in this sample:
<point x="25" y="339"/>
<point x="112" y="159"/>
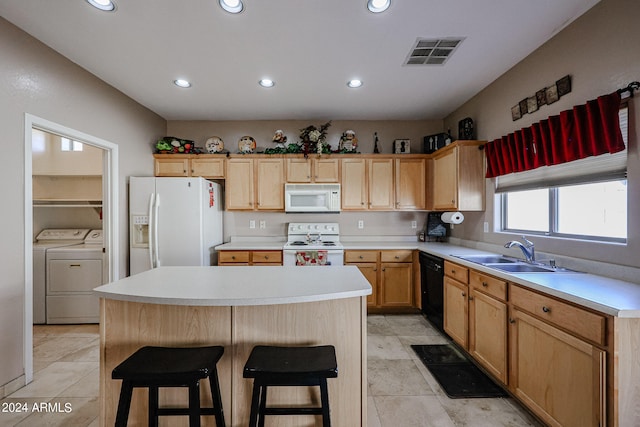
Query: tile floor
<point x="401" y="392"/>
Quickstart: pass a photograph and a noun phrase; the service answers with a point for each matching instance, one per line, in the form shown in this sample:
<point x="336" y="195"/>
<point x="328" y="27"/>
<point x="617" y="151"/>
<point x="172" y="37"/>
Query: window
<point x="584" y="199"/>
<point x="595" y="211"/>
<point x="67" y="144"/>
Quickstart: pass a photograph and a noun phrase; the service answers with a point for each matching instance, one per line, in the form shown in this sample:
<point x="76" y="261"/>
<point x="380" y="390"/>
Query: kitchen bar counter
<point x="238" y="308"/>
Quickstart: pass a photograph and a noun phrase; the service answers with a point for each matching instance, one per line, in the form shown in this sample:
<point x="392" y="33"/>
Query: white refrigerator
<point x="173" y="221"/>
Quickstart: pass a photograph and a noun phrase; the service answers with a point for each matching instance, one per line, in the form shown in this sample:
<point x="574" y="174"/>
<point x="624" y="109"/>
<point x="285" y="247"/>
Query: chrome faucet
<point x="528" y="249"/>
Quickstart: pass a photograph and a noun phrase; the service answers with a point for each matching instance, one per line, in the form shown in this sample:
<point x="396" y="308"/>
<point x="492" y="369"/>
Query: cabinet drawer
<point x="456" y="271"/>
<point x="489" y="285"/>
<point x="267" y="257"/>
<point x="233" y="256"/>
<point x="361" y="256"/>
<point x="581" y="322"/>
<point x="396" y="256"/>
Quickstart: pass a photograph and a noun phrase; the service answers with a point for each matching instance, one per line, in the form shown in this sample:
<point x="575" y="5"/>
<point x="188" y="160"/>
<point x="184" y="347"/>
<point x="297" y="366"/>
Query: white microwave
<point x="312" y="198"/>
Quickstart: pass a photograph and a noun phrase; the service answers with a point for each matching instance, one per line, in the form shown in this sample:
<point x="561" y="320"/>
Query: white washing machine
<point x="72" y="273"/>
<point x="46" y="240"/>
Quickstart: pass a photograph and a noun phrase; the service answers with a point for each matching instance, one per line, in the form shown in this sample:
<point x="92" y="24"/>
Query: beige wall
<point x="36" y="80"/>
<point x="600" y="51"/>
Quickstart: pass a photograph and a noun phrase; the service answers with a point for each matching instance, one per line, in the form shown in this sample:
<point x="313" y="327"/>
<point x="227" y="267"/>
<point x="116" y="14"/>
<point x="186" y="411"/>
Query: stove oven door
<point x="313" y="257"/>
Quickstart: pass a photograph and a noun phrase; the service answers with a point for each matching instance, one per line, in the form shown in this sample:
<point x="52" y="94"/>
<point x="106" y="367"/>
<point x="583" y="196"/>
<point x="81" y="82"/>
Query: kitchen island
<point x="238" y="308"/>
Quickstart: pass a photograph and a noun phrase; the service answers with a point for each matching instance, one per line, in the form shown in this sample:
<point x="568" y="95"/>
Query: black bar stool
<point x="154" y="367"/>
<point x="289" y="366"/>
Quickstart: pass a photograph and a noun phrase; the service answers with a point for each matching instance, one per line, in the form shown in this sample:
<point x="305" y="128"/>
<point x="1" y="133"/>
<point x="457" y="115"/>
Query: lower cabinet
<point x="269" y="257"/>
<point x="488" y="323"/>
<point x="551" y="354"/>
<point x="456" y="309"/>
<point x="558" y="376"/>
<point x="390" y="274"/>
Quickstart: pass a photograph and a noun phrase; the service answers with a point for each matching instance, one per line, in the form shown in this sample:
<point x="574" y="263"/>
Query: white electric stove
<point x="313" y="244"/>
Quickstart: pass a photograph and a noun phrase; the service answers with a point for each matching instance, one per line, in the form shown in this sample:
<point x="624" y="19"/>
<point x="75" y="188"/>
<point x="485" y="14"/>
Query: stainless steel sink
<point x="522" y="268"/>
<point x="512" y="265"/>
<point x="487" y="259"/>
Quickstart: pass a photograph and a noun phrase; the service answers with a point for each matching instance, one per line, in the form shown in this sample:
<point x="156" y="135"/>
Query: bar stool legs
<point x="289" y="366"/>
<point x="155" y="367"/>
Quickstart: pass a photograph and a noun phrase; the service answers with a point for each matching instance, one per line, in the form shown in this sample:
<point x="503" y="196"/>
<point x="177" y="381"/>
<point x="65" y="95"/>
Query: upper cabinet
<point x="313" y="169"/>
<point x="255" y="184"/>
<point x="384" y="183"/>
<point x="450" y="179"/>
<point x="410" y="183"/>
<point x="458" y="181"/>
<point x="204" y="165"/>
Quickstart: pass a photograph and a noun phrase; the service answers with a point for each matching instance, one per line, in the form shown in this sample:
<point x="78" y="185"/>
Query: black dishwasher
<point x="431" y="276"/>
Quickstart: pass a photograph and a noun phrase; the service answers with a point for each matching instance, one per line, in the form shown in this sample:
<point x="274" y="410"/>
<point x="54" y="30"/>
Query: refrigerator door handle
<point x="156" y="221"/>
<point x="151" y="222"/>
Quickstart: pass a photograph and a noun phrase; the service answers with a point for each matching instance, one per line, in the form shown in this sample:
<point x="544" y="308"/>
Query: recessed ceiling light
<point x="377" y="6"/>
<point x="232" y="6"/>
<point x="182" y="83"/>
<point x="267" y="83"/>
<point x="106" y="5"/>
<point x="354" y="83"/>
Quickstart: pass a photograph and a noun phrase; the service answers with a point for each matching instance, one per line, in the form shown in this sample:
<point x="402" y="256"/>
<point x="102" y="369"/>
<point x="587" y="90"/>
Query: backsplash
<point x="275" y="223"/>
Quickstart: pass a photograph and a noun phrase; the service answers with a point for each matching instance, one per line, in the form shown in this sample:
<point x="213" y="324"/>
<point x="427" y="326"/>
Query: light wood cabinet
<point x="380" y="184"/>
<point x="384" y="183"/>
<point x="561" y="378"/>
<point x="354" y="186"/>
<point x="410" y="184"/>
<point x="551" y="354"/>
<point x="255" y="184"/>
<point x="268" y="257"/>
<point x="456" y="309"/>
<point x="314" y="169"/>
<point x="458" y="181"/>
<point x="239" y="186"/>
<point x="488" y="323"/>
<point x="390" y="274"/>
<point x="204" y="165"/>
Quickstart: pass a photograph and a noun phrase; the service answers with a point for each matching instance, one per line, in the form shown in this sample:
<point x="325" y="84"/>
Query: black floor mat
<point x="458" y="377"/>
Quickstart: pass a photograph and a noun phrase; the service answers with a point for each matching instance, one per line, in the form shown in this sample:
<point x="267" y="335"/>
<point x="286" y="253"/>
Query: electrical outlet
<point x="360" y="224"/>
<point x="486" y="227"/>
<point x="414" y="224"/>
<point x="252" y="224"/>
<point x="263" y="224"/>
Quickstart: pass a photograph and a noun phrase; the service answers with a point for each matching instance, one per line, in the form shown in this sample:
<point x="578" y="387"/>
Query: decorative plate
<point x="214" y="145"/>
<point x="246" y="144"/>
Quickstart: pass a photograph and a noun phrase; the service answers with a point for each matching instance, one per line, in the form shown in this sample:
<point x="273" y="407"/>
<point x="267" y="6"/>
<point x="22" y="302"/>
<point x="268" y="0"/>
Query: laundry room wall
<point x="36" y="80"/>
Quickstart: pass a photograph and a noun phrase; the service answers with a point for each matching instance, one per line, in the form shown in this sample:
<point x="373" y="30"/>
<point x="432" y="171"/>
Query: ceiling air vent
<point x="432" y="51"/>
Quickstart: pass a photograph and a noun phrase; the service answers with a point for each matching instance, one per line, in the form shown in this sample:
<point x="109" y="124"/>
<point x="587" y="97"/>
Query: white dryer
<point x="46" y="240"/>
<point x="72" y="273"/>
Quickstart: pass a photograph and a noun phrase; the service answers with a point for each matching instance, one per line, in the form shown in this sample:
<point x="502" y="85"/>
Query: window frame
<point x="553" y="218"/>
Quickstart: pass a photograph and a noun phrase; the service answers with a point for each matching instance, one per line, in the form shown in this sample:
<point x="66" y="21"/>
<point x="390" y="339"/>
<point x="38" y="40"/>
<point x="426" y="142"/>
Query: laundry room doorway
<point x="71" y="185"/>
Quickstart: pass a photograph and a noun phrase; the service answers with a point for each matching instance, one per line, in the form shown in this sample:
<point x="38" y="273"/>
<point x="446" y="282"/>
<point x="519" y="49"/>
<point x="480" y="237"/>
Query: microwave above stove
<point x="312" y="198"/>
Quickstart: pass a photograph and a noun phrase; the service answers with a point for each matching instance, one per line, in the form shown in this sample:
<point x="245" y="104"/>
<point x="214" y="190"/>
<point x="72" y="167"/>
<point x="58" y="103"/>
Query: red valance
<point x="586" y="130"/>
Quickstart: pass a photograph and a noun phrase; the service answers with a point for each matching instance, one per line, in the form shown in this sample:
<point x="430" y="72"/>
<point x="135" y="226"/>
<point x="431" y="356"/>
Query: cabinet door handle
<point x="233" y="257"/>
<point x="397" y="257"/>
<point x="453" y="271"/>
<point x="361" y="257"/>
<point x="485" y="284"/>
<point x="470" y="298"/>
<point x="464" y="294"/>
<point x="546" y="309"/>
<point x="266" y="257"/>
<point x="512" y="321"/>
<point x="384" y="269"/>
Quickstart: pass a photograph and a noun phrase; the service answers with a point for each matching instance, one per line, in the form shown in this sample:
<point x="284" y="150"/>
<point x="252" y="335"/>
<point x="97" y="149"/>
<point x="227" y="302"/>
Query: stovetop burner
<point x="298" y="243"/>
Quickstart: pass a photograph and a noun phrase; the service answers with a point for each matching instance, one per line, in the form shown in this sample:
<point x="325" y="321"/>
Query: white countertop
<point x="610" y="296"/>
<point x="238" y="286"/>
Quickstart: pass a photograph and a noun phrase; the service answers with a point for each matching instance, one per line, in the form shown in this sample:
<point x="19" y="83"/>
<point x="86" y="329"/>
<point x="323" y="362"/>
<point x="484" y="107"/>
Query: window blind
<point x="604" y="167"/>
